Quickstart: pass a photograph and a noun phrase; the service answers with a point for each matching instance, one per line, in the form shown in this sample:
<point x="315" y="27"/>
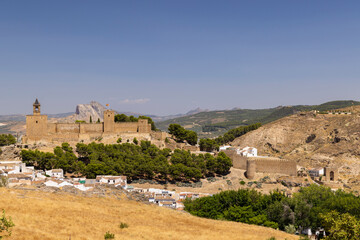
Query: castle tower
<point x="36" y="107"/>
<point x="251" y="169"/>
<point x="109" y="121"/>
<point x="36" y="125"/>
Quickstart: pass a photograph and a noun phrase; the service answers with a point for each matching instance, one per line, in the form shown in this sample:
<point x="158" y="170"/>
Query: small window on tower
<point x="36" y="121"/>
<point x="108" y="115"/>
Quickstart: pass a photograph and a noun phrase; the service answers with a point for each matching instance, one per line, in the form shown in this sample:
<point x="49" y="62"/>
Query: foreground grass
<point x="40" y="215"/>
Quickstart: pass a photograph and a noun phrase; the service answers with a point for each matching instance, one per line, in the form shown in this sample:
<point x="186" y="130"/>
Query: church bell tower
<point x="36" y="125"/>
<point x="36" y="107"/>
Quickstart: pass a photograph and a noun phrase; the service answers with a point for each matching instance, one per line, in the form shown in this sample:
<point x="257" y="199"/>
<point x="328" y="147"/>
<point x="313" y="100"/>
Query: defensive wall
<point x="253" y="165"/>
<point x="38" y="129"/>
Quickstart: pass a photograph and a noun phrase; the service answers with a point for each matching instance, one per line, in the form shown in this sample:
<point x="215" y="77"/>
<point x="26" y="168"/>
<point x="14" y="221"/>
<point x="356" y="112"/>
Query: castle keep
<point x="38" y="129"/>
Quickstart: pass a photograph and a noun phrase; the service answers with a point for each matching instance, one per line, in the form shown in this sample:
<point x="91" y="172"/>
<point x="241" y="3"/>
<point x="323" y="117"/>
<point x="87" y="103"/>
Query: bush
<point x="119" y="140"/>
<point x="80" y="121"/>
<point x="290" y="229"/>
<point x="6" y="226"/>
<point x="123" y="225"/>
<point x="3" y="181"/>
<point x="242" y="182"/>
<point x="135" y="141"/>
<point x="167" y="140"/>
<point x="109" y="235"/>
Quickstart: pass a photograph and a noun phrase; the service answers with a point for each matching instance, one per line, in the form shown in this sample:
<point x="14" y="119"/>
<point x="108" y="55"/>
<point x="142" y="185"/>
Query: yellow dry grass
<point x="41" y="215"/>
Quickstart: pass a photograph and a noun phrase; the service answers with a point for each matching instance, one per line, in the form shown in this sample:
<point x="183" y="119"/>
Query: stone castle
<point x="38" y="129"/>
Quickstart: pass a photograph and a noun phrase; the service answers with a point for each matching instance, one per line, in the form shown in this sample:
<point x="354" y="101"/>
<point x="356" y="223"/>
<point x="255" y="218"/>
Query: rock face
<point x="313" y="140"/>
<point x="84" y="111"/>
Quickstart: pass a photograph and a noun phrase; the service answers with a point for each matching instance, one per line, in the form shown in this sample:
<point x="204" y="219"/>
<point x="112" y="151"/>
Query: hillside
<point x="214" y="123"/>
<point x="313" y="140"/>
<point x="42" y="215"/>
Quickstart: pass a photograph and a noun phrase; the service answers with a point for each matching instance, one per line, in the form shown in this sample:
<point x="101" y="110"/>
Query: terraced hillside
<point x="214" y="123"/>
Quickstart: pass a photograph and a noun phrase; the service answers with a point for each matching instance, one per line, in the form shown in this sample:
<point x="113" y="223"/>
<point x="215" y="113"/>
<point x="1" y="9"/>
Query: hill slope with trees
<point x="215" y="123"/>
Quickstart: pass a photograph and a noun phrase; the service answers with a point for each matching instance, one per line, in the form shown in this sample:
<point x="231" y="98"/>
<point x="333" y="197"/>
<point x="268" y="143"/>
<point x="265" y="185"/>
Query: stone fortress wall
<point x="38" y="129"/>
<point x="253" y="165"/>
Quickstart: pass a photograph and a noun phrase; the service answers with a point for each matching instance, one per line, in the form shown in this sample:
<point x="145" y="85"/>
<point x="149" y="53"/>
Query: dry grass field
<point x="42" y="215"/>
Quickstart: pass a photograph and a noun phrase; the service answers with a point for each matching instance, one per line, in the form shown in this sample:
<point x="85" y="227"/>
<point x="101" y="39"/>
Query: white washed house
<point x="112" y="180"/>
<point x="57" y="173"/>
<point x="222" y="148"/>
<point x="248" y="152"/>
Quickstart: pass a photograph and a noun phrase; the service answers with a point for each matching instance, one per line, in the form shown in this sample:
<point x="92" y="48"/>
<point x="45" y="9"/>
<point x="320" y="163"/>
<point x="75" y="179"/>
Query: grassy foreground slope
<point x="214" y="123"/>
<point x="41" y="215"/>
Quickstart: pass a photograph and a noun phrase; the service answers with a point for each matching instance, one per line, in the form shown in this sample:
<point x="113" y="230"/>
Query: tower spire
<point x="36" y="107"/>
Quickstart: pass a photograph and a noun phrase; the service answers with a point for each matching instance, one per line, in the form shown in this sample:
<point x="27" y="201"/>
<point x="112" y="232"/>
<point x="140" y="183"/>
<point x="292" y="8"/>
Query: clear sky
<point x="166" y="57"/>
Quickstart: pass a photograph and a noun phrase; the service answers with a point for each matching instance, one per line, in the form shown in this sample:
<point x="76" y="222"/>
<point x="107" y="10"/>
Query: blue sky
<point x="166" y="57"/>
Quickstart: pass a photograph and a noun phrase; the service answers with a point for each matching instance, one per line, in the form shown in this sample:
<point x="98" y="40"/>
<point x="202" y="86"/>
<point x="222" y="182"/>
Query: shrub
<point x="3" y="181"/>
<point x="6" y="226"/>
<point x="119" y="140"/>
<point x="242" y="182"/>
<point x="135" y="141"/>
<point x="290" y="229"/>
<point x="123" y="225"/>
<point x="167" y="140"/>
<point x="109" y="235"/>
<point x="80" y="121"/>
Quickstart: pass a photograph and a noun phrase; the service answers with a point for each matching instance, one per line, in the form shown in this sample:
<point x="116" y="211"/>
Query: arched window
<point x="332" y="176"/>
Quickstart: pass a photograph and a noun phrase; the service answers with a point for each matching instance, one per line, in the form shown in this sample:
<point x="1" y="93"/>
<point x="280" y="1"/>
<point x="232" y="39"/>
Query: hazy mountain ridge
<point x="213" y="123"/>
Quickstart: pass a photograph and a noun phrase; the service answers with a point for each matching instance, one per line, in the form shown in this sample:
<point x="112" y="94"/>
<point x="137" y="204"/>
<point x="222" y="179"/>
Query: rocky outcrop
<point x="84" y="111"/>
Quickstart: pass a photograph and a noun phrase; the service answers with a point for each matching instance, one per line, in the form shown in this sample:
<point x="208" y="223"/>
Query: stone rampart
<point x="126" y="127"/>
<point x="261" y="164"/>
<point x="238" y="161"/>
<point x="275" y="165"/>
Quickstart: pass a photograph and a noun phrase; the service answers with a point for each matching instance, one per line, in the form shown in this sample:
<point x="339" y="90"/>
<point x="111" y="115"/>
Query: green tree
<point x="6" y="225"/>
<point x="341" y="226"/>
<point x="177" y="131"/>
<point x="223" y="164"/>
<point x="135" y="141"/>
<point x="181" y="134"/>
<point x="121" y="118"/>
<point x="90" y="119"/>
<point x="191" y="137"/>
<point x="7" y="139"/>
<point x="98" y="121"/>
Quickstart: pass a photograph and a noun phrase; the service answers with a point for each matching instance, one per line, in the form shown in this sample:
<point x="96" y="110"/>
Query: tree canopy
<point x="181" y="134"/>
<point x="314" y="206"/>
<point x="125" y="118"/>
<point x="208" y="144"/>
<point x="145" y="161"/>
<point x="7" y="139"/>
